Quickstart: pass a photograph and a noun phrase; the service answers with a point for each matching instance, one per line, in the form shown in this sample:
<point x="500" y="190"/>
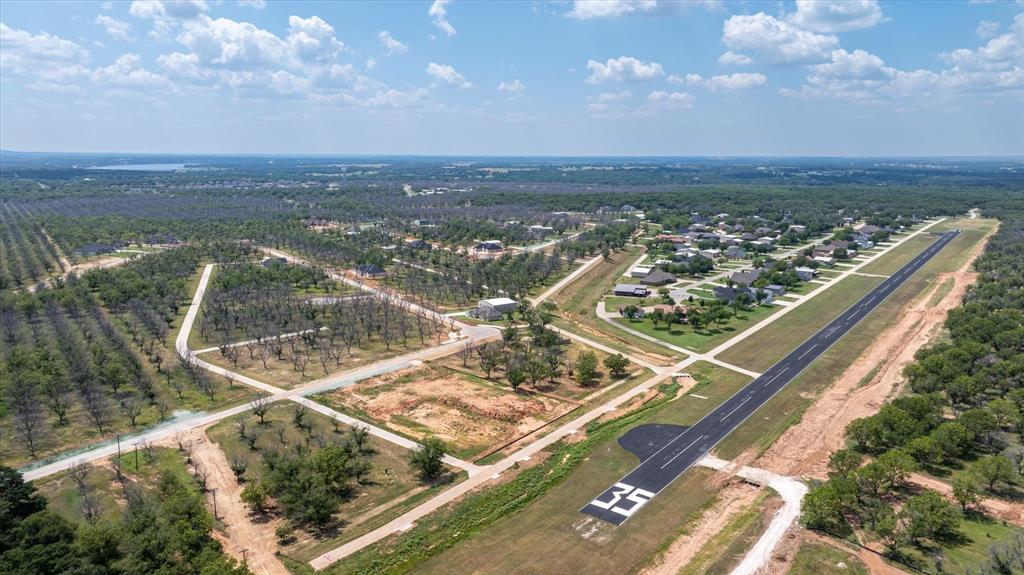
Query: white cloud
<point x="393" y="46"/>
<point x="166" y="14"/>
<point x="613" y="96"/>
<point x="127" y="72"/>
<point x="623" y="68"/>
<point x="118" y="29"/>
<point x="51" y="62"/>
<point x="515" y="87"/>
<point x="594" y="9"/>
<point x="992" y="69"/>
<point x="439" y="16"/>
<point x="312" y="39"/>
<point x="371" y="63"/>
<point x="836" y="15"/>
<point x="397" y="99"/>
<point x="728" y="82"/>
<point x="987" y="29"/>
<point x="775" y="40"/>
<point x="731" y="58"/>
<point x="256" y="4"/>
<point x="445" y="74"/>
<point x="671" y="99"/>
<point x="590" y="9"/>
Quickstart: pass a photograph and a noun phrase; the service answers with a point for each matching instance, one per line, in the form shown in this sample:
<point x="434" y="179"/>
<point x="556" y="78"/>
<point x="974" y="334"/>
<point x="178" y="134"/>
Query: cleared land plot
<point x="551" y="536"/>
<point x="707" y="337"/>
<point x="815" y="558"/>
<point x="787" y="407"/>
<point x="761" y="350"/>
<point x="470" y="414"/>
<point x="389" y="483"/>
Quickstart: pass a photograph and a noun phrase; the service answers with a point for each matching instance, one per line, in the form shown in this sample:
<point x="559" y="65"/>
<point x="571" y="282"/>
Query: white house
<point x="494" y="308"/>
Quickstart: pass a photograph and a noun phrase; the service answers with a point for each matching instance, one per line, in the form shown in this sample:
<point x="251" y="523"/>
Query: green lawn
<point x="761" y="350"/>
<point x="708" y="337"/>
<point x="899" y="256"/>
<point x="965" y="556"/>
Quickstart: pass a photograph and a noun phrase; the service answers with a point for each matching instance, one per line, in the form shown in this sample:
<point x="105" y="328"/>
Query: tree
<point x="18" y="499"/>
<point x="516" y="376"/>
<point x="1004" y="411"/>
<point x="586" y="368"/>
<point x="255" y="496"/>
<point x="993" y="469"/>
<point x="930" y="516"/>
<point x="260" y="406"/>
<point x="428" y="460"/>
<point x="966" y="492"/>
<point x="616" y="364"/>
<point x="896" y="466"/>
<point x="844" y="462"/>
<point x="823" y="509"/>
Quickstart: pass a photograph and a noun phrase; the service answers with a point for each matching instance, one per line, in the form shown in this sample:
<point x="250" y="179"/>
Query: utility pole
<point x="118" y="445"/>
<point x="214" y="491"/>
<point x="136" y="457"/>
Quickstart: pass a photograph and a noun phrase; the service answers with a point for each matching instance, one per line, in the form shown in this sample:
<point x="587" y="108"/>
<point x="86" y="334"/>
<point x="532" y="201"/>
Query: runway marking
<point x="808" y="351"/>
<point x="697" y="396"/>
<point x="683" y="451"/>
<point x="735" y="408"/>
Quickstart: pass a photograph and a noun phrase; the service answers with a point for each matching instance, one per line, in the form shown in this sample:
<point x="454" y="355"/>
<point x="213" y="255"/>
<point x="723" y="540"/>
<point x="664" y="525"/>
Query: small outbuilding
<point x="493" y="309"/>
<point x="631" y="290"/>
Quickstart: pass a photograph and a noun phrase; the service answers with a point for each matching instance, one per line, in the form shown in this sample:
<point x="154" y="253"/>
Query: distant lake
<point x="141" y="167"/>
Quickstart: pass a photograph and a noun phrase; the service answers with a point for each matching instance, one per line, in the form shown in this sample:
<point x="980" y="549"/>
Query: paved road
<point x="622" y="500"/>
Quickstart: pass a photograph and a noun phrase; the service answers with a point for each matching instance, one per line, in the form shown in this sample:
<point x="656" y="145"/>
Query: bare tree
<point x="238" y="466"/>
<point x="465" y="353"/>
<point x="260" y="406"/>
<point x="28" y="418"/>
<point x="132" y="407"/>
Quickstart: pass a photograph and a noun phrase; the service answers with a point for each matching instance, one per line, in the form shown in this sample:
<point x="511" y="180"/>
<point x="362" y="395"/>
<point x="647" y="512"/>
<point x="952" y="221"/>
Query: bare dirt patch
<point x="733" y="500"/>
<point x="999" y="508"/>
<point x="240" y="532"/>
<point x="875" y="564"/>
<point x="874" y="376"/>
<point x="469" y="415"/>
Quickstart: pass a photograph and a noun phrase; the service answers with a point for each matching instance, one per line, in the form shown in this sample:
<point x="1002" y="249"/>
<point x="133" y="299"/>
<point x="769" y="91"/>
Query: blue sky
<point x="614" y="77"/>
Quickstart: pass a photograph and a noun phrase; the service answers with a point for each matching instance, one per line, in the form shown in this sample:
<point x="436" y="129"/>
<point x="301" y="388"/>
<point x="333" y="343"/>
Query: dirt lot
<point x="874" y="377"/>
<point x="468" y="414"/>
<point x="732" y="500"/>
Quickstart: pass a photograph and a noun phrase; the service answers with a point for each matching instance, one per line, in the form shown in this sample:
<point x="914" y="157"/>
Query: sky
<point x="455" y="77"/>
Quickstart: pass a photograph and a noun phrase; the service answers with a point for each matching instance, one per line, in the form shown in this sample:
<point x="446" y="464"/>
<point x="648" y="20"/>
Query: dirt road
<point x="240" y="532"/>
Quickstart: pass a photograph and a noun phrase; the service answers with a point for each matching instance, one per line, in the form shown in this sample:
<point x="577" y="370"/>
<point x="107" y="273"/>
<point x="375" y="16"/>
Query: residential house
<point x="370" y="271"/>
<point x="640" y="271"/>
<point x="711" y="254"/>
<point x="418" y="245"/>
<point x="805" y="274"/>
<point x="728" y="294"/>
<point x="745" y="277"/>
<point x="270" y="262"/>
<point x="776" y="289"/>
<point x="735" y="253"/>
<point x="658" y="278"/>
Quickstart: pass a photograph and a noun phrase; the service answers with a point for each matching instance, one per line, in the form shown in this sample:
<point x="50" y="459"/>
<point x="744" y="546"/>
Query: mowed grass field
<point x="786" y="408"/>
<point x="708" y="337"/>
<point x="815" y="558"/>
<point x="552" y="536"/>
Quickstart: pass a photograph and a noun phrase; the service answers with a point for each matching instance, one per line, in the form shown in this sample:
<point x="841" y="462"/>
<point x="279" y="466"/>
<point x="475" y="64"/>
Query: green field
<point x="709" y="337"/>
<point x="900" y="255"/>
<point x="761" y="350"/>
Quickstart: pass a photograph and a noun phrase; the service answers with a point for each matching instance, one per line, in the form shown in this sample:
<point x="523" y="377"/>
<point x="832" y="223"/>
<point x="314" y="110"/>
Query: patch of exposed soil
<point x="732" y="500"/>
<point x="240" y="531"/>
<point x="873" y="377"/>
<point x="462" y="412"/>
<point x="1008" y="511"/>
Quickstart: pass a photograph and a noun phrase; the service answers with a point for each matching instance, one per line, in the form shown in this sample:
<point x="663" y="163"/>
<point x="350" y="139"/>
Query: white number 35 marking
<point x="634" y="495"/>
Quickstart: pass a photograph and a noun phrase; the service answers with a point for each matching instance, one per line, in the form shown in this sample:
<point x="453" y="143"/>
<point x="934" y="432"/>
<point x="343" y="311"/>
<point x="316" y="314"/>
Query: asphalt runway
<point x="660" y="467"/>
